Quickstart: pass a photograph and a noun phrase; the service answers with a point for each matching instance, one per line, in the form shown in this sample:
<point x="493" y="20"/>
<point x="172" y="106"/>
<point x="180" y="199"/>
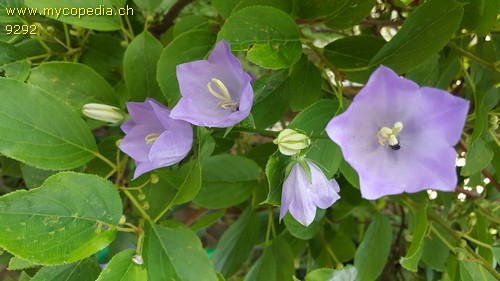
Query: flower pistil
<point x="226" y="101"/>
<point x="388" y="137"/>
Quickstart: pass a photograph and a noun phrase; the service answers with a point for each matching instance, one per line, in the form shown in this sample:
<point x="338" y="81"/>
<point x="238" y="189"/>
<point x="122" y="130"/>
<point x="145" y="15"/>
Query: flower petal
<point x="134" y="143"/>
<point x="171" y="147"/>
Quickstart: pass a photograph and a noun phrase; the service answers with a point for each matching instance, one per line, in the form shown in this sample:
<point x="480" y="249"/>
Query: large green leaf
<point x="38" y="129"/>
<point x="73" y="83"/>
<point x="352" y="55"/>
<point x="122" y="268"/>
<point x="103" y="53"/>
<point x="284" y="5"/>
<point x="226" y="181"/>
<point x="348" y="273"/>
<point x="174" y="252"/>
<point x="70" y="217"/>
<point x="236" y="244"/>
<point x="480" y="15"/>
<point x="275" y="172"/>
<point x="434" y="21"/>
<point x="270" y="36"/>
<point x="275" y="264"/>
<point x="188" y="46"/>
<point x="139" y="67"/>
<point x="313" y="120"/>
<point x="351" y="14"/>
<point x="92" y="14"/>
<point x="84" y="270"/>
<point x="372" y="253"/>
<point x="305" y="84"/>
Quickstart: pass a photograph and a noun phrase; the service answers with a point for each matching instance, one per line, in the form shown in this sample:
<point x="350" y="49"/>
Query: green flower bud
<point x="123" y="219"/>
<point x="103" y="112"/>
<point x="291" y="142"/>
<point x="154" y="178"/>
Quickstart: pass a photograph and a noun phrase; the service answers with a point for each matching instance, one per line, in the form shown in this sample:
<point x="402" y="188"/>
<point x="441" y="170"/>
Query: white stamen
<point x="151" y="138"/>
<point x="226" y="101"/>
<point x="387" y="136"/>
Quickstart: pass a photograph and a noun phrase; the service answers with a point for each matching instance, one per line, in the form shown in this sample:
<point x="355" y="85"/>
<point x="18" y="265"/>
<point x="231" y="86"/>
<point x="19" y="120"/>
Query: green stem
<point x="438" y="235"/>
<point x="475" y="241"/>
<point x="136" y="204"/>
<point x="471" y="56"/>
<point x="126" y="229"/>
<point x="323" y="59"/>
<point x="106" y="160"/>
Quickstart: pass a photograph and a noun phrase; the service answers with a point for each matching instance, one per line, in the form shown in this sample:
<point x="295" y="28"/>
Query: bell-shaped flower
<point x="103" y="112"/>
<point x="306" y="188"/>
<point x="400" y="137"/>
<point x="152" y="138"/>
<point x="215" y="92"/>
<point x="291" y="142"/>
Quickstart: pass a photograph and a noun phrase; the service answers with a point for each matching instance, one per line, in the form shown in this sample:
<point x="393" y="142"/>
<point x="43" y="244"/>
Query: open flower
<point x="215" y="92"/>
<point x="304" y="191"/>
<point x="153" y="139"/>
<point x="400" y="137"/>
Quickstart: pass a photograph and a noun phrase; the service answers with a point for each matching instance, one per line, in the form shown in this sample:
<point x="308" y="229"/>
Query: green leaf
<point x="139" y="67"/>
<point x="73" y="83"/>
<point x="435" y="253"/>
<point x="275" y="264"/>
<point x="283" y="5"/>
<point x="224" y="7"/>
<point x="192" y="22"/>
<point x="327" y="155"/>
<point x="480" y="15"/>
<point x="16" y="263"/>
<point x="270" y="36"/>
<point x="104" y="16"/>
<point x="419" y="229"/>
<point x="13" y="63"/>
<point x="349" y="173"/>
<point x="477" y="157"/>
<point x="313" y="120"/>
<point x="70" y="217"/>
<point x="300" y="231"/>
<point x="42" y="131"/>
<point x="191" y="184"/>
<point x="434" y="21"/>
<point x="207" y="220"/>
<point x="174" y="252"/>
<point x="351" y="14"/>
<point x="148" y="5"/>
<point x="103" y="53"/>
<point x="305" y="84"/>
<point x="206" y="144"/>
<point x="473" y="271"/>
<point x="121" y="267"/>
<point x="373" y="252"/>
<point x="236" y="244"/>
<point x="227" y="180"/>
<point x="275" y="172"/>
<point x="188" y="46"/>
<point x="427" y="73"/>
<point x="34" y="177"/>
<point x="84" y="270"/>
<point x="348" y="273"/>
<point x="271" y="99"/>
<point x="352" y="55"/>
<point x="312" y="9"/>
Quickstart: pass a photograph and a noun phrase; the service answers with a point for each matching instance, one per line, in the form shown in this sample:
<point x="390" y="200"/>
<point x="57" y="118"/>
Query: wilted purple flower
<point x="215" y="92"/>
<point x="400" y="137"/>
<point x="152" y="138"/>
<point x="302" y="194"/>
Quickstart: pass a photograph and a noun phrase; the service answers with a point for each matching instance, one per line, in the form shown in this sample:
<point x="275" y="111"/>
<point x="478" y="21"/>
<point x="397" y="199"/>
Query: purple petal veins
<point x="400" y="137"/>
<point x="153" y="139"/>
<point x="214" y="92"/>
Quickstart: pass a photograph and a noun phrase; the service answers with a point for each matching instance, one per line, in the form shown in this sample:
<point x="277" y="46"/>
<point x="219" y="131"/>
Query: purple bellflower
<point x="215" y="92"/>
<point x="152" y="138"/>
<point x="400" y="137"/>
<point x="302" y="193"/>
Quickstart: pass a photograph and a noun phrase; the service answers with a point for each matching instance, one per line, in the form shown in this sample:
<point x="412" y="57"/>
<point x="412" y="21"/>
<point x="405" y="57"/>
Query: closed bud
<point x="103" y="112"/>
<point x="291" y="142"/>
<point x="123" y="219"/>
<point x="154" y="178"/>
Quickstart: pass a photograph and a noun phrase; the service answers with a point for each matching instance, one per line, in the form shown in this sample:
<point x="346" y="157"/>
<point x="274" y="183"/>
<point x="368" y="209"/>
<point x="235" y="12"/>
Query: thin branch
<point x="168" y="20"/>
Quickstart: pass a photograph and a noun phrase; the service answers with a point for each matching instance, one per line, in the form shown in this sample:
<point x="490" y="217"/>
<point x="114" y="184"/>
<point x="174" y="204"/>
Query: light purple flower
<point x="152" y="138"/>
<point x="215" y="92"/>
<point x="300" y="196"/>
<point x="400" y="137"/>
